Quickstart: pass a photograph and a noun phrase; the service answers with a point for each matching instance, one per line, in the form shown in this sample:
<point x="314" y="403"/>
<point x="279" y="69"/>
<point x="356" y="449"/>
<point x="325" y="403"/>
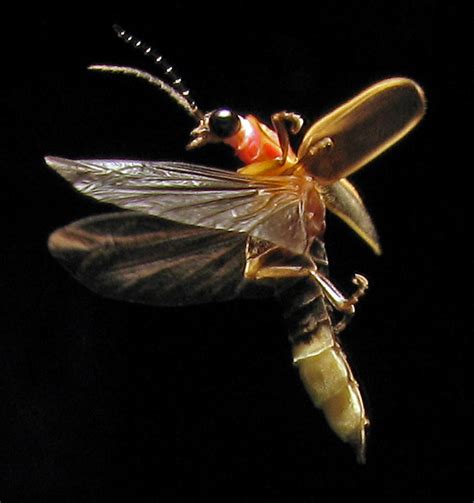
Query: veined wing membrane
<point x="133" y="257"/>
<point x="362" y="128"/>
<point x="269" y="208"/>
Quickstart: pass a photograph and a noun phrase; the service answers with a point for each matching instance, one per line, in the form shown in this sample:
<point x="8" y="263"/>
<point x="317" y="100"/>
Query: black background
<point x="104" y="399"/>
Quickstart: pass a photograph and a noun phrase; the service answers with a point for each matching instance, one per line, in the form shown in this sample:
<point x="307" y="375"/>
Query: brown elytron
<point x="193" y="234"/>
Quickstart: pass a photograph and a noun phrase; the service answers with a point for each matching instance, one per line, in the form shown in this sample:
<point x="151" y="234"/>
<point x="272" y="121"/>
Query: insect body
<point x="196" y="234"/>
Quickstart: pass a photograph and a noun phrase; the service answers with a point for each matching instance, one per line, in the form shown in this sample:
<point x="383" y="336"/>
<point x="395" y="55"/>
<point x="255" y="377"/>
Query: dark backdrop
<point x="105" y="399"/>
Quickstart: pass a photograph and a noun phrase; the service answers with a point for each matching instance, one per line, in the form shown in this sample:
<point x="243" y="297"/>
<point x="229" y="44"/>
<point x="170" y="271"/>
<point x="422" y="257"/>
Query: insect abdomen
<point x="322" y="365"/>
<point x="329" y="382"/>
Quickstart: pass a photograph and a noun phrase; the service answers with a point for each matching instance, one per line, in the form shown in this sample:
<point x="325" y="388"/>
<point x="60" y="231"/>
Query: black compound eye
<point x="224" y="123"/>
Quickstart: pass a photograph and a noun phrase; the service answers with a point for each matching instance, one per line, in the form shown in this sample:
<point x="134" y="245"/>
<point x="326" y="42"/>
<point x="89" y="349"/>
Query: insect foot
<point x="362" y="286"/>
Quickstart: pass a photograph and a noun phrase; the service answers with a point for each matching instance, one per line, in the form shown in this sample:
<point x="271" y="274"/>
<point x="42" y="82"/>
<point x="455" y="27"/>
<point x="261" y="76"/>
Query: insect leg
<point x="282" y="123"/>
<point x="265" y="260"/>
<point x="337" y="299"/>
<point x="279" y="272"/>
<point x="344" y="305"/>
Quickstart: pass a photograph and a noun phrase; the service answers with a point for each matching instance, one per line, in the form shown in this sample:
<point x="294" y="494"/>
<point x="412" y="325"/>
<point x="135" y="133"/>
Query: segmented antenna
<point x="193" y="111"/>
<point x="174" y="79"/>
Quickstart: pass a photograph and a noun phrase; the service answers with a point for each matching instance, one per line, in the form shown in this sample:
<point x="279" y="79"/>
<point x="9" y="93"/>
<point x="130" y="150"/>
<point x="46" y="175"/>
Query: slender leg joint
<point x="280" y="272"/>
<point x="285" y="122"/>
<point x="337" y="299"/>
<point x="362" y="284"/>
<point x="294" y="120"/>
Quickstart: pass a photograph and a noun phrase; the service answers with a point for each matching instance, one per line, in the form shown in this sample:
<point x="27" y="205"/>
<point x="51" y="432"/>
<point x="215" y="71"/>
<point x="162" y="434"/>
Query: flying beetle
<point x="193" y="234"/>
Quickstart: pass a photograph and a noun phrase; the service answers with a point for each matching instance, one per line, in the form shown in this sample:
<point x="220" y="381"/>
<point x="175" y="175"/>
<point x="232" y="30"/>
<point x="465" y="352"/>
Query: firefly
<point x="190" y="234"/>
